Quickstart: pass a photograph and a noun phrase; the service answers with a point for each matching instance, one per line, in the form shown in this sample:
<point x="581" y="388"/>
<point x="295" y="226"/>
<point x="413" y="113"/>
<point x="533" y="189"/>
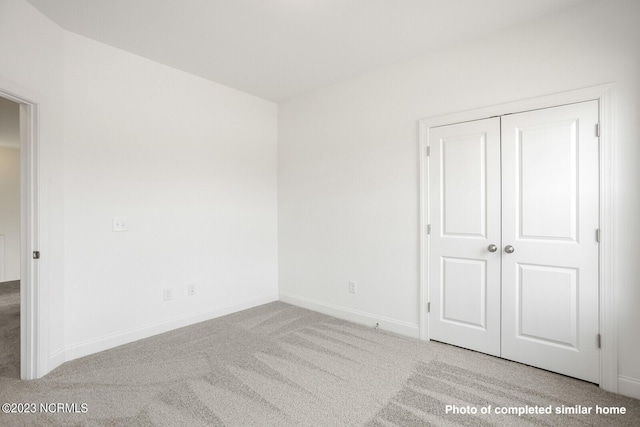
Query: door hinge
<point x="599" y="341"/>
<point x="428" y="228"/>
<point x="428" y="151"/>
<point x="428" y="307"/>
<point x="598" y="235"/>
<point x="598" y="130"/>
<point x="36" y="254"/>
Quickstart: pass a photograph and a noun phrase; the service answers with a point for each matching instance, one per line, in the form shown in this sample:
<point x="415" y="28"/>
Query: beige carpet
<point x="279" y="365"/>
<point x="9" y="330"/>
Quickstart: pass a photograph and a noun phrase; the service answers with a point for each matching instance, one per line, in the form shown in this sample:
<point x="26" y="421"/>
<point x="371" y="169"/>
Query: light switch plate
<point x="120" y="224"/>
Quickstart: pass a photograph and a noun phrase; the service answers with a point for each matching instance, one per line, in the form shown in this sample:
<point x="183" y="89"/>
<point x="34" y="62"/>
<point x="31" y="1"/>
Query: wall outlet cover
<point x="353" y="287"/>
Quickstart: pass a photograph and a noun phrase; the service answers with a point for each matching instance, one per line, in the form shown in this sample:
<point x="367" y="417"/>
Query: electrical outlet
<point x="191" y="289"/>
<point x="167" y="294"/>
<point x="353" y="287"/>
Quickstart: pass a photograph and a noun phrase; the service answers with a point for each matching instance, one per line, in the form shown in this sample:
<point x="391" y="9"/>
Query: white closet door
<point x="550" y="217"/>
<point x="464" y="211"/>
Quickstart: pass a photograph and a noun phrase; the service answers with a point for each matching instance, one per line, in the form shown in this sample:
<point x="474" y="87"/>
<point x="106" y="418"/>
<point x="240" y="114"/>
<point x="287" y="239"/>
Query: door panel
<point x="464" y="176"/>
<point x="464" y="290"/>
<point x="555" y="289"/>
<point x="546" y="169"/>
<point x="550" y="207"/>
<point x="464" y="204"/>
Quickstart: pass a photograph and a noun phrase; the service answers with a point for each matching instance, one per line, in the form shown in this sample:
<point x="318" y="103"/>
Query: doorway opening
<point x="10" y="238"/>
<point x="19" y="272"/>
<point x="528" y="183"/>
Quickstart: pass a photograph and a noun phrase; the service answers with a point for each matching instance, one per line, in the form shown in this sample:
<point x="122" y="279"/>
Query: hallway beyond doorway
<point x="10" y="329"/>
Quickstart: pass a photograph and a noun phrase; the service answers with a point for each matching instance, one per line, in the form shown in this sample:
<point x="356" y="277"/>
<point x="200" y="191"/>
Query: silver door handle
<point x="492" y="248"/>
<point x="509" y="249"/>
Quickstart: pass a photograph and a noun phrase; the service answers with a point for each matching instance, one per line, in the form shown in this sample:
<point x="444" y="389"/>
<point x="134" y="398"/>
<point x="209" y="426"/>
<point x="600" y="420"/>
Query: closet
<point x="512" y="268"/>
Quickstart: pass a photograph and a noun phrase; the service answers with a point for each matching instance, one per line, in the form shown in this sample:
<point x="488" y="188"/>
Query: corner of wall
<point x="367" y="319"/>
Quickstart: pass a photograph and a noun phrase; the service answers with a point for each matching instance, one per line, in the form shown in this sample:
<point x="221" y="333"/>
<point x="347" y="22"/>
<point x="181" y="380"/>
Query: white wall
<point x="31" y="67"/>
<point x="348" y="163"/>
<point x="192" y="165"/>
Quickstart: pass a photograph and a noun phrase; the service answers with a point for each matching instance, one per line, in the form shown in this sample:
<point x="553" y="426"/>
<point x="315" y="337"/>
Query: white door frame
<point x="604" y="94"/>
<point x="29" y="236"/>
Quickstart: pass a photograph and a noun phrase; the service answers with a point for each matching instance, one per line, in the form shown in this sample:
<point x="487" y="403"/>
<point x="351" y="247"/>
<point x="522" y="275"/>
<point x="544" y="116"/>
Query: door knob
<point x="492" y="248"/>
<point x="509" y="249"/>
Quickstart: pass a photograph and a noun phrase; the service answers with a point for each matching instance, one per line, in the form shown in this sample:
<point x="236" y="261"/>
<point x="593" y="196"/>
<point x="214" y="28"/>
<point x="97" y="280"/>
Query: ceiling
<point x="276" y="49"/>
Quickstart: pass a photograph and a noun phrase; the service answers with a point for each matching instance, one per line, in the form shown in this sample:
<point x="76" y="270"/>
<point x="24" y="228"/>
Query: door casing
<point x="604" y="95"/>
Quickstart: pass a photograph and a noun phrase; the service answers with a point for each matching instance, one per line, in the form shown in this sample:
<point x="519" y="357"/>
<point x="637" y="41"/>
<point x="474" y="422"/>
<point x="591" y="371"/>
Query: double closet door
<point x="513" y="248"/>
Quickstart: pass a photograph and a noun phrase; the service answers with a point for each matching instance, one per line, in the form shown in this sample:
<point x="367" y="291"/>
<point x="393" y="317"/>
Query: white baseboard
<point x="629" y="386"/>
<point x="85" y="348"/>
<point x="56" y="359"/>
<point x="363" y="318"/>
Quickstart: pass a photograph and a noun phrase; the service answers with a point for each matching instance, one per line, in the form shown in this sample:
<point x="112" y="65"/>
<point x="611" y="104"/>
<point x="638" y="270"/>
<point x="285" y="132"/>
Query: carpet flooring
<point x="10" y="329"/>
<point x="280" y="365"/>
